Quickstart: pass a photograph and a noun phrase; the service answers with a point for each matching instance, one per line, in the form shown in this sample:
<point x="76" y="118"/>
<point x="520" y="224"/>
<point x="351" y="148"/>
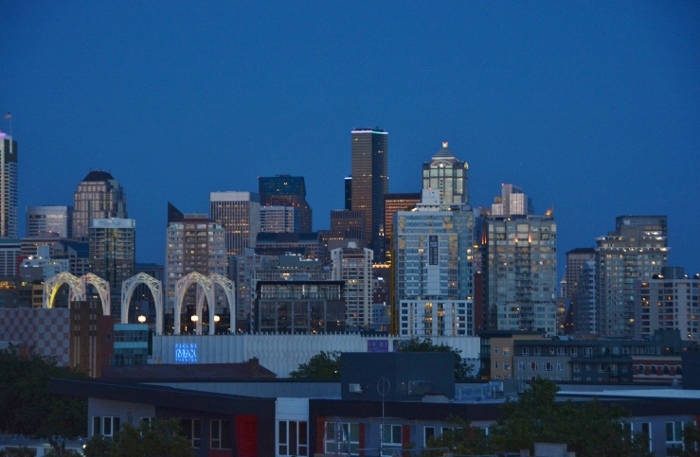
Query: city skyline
<point x="589" y="108"/>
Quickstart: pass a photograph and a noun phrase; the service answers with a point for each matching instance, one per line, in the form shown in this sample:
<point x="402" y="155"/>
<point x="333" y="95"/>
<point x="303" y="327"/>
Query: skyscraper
<point x="578" y="287"/>
<point x="239" y="216"/>
<point x="433" y="270"/>
<point x="370" y="181"/>
<point x="113" y="255"/>
<point x="286" y="190"/>
<point x="8" y="187"/>
<point x="636" y="250"/>
<point x="392" y="204"/>
<point x="50" y="219"/>
<point x="521" y="271"/>
<point x="448" y="175"/>
<point x="354" y="266"/>
<point x="98" y="196"/>
<point x="193" y="243"/>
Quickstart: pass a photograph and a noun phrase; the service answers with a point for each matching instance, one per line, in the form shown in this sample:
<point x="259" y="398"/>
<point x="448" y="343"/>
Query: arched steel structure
<point x="102" y="288"/>
<point x="77" y="288"/>
<point x="204" y="285"/>
<point x="228" y="286"/>
<point x="156" y="288"/>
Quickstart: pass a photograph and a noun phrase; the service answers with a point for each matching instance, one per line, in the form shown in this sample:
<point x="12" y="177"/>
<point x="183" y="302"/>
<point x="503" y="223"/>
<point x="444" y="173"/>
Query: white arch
<point x="156" y="288"/>
<point x="205" y="285"/>
<point x="102" y="288"/>
<point x="228" y="287"/>
<point x="77" y="288"/>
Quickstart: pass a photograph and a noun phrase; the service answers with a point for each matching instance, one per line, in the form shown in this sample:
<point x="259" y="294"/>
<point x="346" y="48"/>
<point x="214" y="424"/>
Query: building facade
<point x="279" y="219"/>
<point x="521" y="273"/>
<point x="433" y="270"/>
<point x="113" y="255"/>
<point x="239" y="216"/>
<point x="98" y="196"/>
<point x="370" y="181"/>
<point x="578" y="283"/>
<point x="8" y="187"/>
<point x="354" y="266"/>
<point x="392" y="204"/>
<point x="668" y="301"/>
<point x="194" y="243"/>
<point x="636" y="250"/>
<point x="50" y="219"/>
<point x="286" y="190"/>
<point x="448" y="175"/>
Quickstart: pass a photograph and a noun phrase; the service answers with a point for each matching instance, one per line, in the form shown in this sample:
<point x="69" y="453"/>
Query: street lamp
<point x="194" y="318"/>
<point x="216" y="318"/>
<point x="141" y="318"/>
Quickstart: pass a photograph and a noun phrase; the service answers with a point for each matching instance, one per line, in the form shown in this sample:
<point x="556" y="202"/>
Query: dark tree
<point x="157" y="438"/>
<point x="322" y="366"/>
<point x="589" y="428"/>
<point x="463" y="370"/>
<point x="26" y="404"/>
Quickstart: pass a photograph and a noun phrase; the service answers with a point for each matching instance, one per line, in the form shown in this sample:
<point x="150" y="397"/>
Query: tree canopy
<point x="322" y="366"/>
<point x="156" y="438"/>
<point x="463" y="370"/>
<point x="588" y="428"/>
<point x="28" y="407"/>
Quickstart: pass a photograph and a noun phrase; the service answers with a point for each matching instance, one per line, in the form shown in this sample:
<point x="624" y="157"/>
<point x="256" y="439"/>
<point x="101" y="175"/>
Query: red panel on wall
<point x="405" y="438"/>
<point x="247" y="435"/>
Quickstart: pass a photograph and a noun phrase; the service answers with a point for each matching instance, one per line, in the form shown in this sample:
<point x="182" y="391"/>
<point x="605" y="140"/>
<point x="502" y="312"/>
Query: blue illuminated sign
<point x="185" y="353"/>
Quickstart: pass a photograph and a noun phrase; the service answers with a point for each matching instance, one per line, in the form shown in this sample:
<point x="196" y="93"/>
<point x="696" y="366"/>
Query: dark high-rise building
<point x="635" y="251"/>
<point x="348" y="193"/>
<point x="392" y="204"/>
<point x="286" y="190"/>
<point x="99" y="196"/>
<point x="370" y="181"/>
<point x="8" y="190"/>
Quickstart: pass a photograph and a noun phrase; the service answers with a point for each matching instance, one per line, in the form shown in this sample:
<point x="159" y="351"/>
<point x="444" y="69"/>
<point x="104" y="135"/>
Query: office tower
<point x="348" y="193"/>
<point x="76" y="252"/>
<point x="354" y="266"/>
<point x="40" y="267"/>
<point x="584" y="310"/>
<point x="511" y="202"/>
<point x="286" y="190"/>
<point x="8" y="187"/>
<point x="668" y="301"/>
<point x="576" y="260"/>
<point x="113" y="255"/>
<point x="392" y="204"/>
<point x="279" y="219"/>
<point x="9" y="257"/>
<point x="98" y="196"/>
<point x="636" y="250"/>
<point x="50" y="219"/>
<point x="521" y="272"/>
<point x="448" y="175"/>
<point x="433" y="270"/>
<point x="370" y="181"/>
<point x="346" y="226"/>
<point x="239" y="216"/>
<point x="194" y="243"/>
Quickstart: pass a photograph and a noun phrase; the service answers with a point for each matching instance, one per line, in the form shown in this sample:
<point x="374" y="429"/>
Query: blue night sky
<point x="591" y="107"/>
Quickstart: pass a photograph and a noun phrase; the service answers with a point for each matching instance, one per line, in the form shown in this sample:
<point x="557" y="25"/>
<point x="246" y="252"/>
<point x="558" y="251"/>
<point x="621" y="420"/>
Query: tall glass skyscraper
<point x="370" y="181"/>
<point x="98" y="196"/>
<point x="8" y="187"/>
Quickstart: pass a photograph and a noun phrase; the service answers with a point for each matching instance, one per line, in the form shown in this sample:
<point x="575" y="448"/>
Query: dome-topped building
<point x="449" y="175"/>
<point x="98" y="196"/>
